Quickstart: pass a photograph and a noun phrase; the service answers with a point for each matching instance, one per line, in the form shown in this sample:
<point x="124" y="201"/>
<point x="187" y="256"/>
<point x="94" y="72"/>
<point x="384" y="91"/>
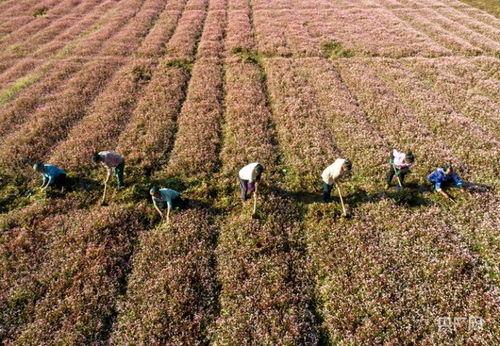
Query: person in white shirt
<point x="400" y="166"/>
<point x="332" y="174"/>
<point x="249" y="177"/>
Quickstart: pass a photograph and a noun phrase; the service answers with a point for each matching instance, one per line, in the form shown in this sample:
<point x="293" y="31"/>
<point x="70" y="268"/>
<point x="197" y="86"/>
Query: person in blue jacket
<point x="442" y="177"/>
<point x="51" y="175"/>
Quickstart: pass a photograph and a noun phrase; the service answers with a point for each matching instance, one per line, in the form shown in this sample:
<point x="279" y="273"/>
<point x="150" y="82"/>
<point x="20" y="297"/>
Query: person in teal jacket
<point x="166" y="198"/>
<point x="51" y="175"/>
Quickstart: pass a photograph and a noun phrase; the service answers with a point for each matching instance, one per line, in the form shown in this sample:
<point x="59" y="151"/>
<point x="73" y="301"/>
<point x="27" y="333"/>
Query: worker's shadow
<point x="411" y="196"/>
<point x="475" y="188"/>
<point x="75" y="184"/>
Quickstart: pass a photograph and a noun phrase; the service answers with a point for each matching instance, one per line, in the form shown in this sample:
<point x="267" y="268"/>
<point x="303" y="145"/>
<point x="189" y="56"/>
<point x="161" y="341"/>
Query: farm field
<point x="189" y="91"/>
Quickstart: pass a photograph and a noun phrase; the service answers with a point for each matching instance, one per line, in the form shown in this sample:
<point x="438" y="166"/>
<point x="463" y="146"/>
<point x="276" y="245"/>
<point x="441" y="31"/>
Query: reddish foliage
<point x="172" y="291"/>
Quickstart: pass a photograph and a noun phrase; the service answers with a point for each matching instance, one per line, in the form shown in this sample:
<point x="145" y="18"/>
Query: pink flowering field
<point x="189" y="91"/>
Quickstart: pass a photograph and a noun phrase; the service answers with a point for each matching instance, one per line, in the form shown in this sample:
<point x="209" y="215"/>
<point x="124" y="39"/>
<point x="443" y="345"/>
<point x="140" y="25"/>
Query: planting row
<point x="172" y="290"/>
<point x="64" y="273"/>
<point x="265" y="293"/>
<point x="394" y="275"/>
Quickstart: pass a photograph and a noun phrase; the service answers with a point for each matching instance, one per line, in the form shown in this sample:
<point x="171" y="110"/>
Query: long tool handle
<point x="341" y="199"/>
<point x="397" y="176"/>
<point x="104" y="193"/>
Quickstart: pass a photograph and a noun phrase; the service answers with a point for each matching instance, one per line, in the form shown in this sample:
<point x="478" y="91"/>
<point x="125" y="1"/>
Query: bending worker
<point x="112" y="161"/>
<point x="51" y="175"/>
<point x="166" y="198"/>
<point x="249" y="177"/>
<point x="442" y="177"/>
<point x="400" y="166"/>
<point x="332" y="174"/>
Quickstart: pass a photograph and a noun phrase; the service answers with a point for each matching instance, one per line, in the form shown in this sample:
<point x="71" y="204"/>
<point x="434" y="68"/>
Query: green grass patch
<point x="490" y="6"/>
<point x="12" y="90"/>
<point x="179" y="63"/>
<point x="40" y="11"/>
<point x="334" y="50"/>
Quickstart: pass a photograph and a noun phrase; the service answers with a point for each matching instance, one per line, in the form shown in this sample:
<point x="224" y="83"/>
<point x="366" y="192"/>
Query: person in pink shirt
<point x="113" y="162"/>
<point x="400" y="166"/>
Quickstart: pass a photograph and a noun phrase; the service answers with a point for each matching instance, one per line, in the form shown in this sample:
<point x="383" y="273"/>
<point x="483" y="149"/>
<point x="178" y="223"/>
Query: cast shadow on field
<point x="412" y="196"/>
<point x="475" y="188"/>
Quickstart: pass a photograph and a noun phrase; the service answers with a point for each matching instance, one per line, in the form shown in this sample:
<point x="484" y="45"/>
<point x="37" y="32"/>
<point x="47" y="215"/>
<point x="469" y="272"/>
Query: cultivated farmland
<point x="189" y="91"/>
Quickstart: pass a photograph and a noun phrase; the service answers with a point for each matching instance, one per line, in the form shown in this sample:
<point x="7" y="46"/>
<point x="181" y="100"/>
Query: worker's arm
<point x="156" y="207"/>
<point x="110" y="172"/>
<point x="168" y="214"/>
<point x="49" y="180"/>
<point x="443" y="193"/>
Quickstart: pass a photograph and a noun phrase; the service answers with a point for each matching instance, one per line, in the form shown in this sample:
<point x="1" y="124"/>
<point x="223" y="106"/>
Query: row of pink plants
<point x="239" y="34"/>
<point x="172" y="290"/>
<point x="106" y="118"/>
<point x="195" y="151"/>
<point x="265" y="288"/>
<point x="399" y="275"/>
<point x="305" y="139"/>
<point x="132" y="34"/>
<point x="446" y="124"/>
<point x="76" y="268"/>
<point x="247" y="133"/>
<point x="149" y="135"/>
<point x="212" y="40"/>
<point x="50" y="124"/>
<point x="184" y="42"/>
<point x="153" y="45"/>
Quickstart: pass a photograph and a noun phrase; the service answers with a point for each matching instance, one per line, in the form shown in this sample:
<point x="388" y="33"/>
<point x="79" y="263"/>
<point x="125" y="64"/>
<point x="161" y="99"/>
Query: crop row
<point x="107" y="117"/>
<point x="149" y="134"/>
<point x="300" y="125"/>
<point x="172" y="290"/>
<point x="21" y="16"/>
<point x="463" y="86"/>
<point x="67" y="292"/>
<point x="49" y="124"/>
<point x="393" y="274"/>
<point x="247" y="133"/>
<point x="447" y="125"/>
<point x="32" y="40"/>
<point x="154" y="44"/>
<point x="265" y="295"/>
<point x="129" y="38"/>
<point x="239" y="35"/>
<point x="184" y="42"/>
